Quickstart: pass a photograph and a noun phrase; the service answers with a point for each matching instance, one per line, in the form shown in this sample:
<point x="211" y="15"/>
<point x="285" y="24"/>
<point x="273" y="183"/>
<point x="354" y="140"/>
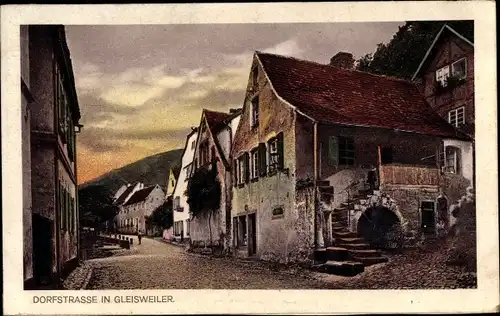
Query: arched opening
<point x="381" y="228"/>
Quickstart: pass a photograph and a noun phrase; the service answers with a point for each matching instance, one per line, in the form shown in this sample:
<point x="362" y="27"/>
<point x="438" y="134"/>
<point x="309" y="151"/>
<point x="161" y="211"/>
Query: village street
<point x="157" y="265"/>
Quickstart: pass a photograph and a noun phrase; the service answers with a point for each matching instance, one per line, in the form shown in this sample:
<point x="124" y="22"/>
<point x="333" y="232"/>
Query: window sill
<point x="278" y="216"/>
<point x="254" y="179"/>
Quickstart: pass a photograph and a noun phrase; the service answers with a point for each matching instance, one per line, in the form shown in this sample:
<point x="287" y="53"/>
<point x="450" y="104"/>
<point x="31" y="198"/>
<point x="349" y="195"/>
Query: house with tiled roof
<point x="213" y="148"/>
<point x="322" y="152"/>
<point x="132" y="215"/>
<point x="446" y="79"/>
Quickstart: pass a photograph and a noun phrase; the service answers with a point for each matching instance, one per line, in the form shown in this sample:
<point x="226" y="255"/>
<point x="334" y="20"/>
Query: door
<point x="42" y="249"/>
<point x="428" y="222"/>
<point x="252" y="235"/>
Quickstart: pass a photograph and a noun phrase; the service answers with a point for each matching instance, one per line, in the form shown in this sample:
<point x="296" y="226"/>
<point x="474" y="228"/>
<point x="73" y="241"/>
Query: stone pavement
<point x="158" y="265"/>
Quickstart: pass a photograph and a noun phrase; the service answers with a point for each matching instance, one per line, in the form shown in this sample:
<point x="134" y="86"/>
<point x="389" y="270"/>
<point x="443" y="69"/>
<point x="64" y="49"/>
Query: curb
<point x="87" y="279"/>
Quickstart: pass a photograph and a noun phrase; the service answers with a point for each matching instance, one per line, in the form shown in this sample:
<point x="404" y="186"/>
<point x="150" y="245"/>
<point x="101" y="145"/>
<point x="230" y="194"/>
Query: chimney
<point x="342" y="60"/>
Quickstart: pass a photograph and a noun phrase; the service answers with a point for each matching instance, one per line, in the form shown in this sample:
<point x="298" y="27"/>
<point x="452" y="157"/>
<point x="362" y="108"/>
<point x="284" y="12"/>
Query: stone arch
<point x="381" y="227"/>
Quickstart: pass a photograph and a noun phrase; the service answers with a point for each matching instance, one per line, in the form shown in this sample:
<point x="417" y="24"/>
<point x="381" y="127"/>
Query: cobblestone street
<point x="157" y="265"/>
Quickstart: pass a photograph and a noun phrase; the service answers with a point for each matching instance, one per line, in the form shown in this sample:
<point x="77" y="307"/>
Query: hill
<point x="150" y="170"/>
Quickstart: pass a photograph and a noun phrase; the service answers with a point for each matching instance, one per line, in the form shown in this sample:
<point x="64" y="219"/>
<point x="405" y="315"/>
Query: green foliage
<point x="402" y="55"/>
<point x="162" y="216"/>
<point x="96" y="205"/>
<point x="204" y="191"/>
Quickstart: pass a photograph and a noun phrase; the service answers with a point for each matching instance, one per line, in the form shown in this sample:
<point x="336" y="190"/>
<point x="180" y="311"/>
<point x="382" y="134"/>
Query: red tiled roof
<point x="340" y="96"/>
<point x="140" y="195"/>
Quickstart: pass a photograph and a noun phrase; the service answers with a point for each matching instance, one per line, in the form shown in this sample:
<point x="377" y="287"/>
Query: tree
<point x="96" y="206"/>
<point x="404" y="52"/>
<point x="204" y="193"/>
<point x="162" y="216"/>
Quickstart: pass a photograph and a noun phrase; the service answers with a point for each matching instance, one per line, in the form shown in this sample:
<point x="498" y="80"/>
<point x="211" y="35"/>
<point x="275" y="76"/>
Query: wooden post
<point x="318" y="232"/>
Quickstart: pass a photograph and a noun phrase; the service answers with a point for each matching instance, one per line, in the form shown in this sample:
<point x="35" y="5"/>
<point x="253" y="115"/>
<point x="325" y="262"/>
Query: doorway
<point x="252" y="235"/>
<point x="42" y="249"/>
<point x="386" y="155"/>
<point x="428" y="218"/>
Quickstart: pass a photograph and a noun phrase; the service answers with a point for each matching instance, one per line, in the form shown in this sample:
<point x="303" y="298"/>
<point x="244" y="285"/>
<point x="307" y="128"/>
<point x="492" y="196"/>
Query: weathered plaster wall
<point x="68" y="239"/>
<point x="279" y="237"/>
<point x="182" y="182"/>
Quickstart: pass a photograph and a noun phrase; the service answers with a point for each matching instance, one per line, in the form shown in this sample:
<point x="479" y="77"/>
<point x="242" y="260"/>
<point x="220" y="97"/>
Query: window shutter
<point x="281" y="157"/>
<point x="235" y="172"/>
<point x="262" y="159"/>
<point x="333" y="151"/>
<point x="247" y="167"/>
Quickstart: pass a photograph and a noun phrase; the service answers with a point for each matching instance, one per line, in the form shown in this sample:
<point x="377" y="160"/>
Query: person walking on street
<point x="139" y="236"/>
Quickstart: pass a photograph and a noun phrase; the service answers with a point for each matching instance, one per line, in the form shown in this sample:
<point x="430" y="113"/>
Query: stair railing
<point x="347" y="189"/>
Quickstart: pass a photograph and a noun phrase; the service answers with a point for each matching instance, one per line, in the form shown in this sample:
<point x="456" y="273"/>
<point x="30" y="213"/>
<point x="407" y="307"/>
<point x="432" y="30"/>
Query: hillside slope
<point x="150" y="170"/>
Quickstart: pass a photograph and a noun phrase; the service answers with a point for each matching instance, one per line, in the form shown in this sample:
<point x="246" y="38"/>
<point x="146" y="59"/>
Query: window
<point x="242" y="169"/>
<point x="459" y="68"/>
<point x="204" y="152"/>
<point x="255" y="111"/>
<point x="254" y="163"/>
<point x="456" y="117"/>
<point x="275" y="153"/>
<point x="442" y="75"/>
<point x="346" y="151"/>
<point x="176" y="204"/>
<point x="193" y="144"/>
<point x="188" y="171"/>
<point x="172" y="182"/>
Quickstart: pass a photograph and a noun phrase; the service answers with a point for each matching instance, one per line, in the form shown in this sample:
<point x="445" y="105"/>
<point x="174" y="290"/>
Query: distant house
<point x="173" y="175"/>
<point x="119" y="192"/>
<point x="215" y="135"/>
<point x="51" y="117"/>
<point x="180" y="205"/>
<point x="322" y="151"/>
<point x="132" y="215"/>
<point x="446" y="79"/>
<point x="127" y="193"/>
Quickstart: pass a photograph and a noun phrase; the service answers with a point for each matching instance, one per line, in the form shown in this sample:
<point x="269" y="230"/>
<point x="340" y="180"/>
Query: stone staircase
<point x="350" y="254"/>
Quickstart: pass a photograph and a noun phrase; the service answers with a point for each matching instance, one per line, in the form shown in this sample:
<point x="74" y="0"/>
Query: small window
<point x="459" y="68"/>
<point x="278" y="212"/>
<point x="193" y="144"/>
<point x="442" y="75"/>
<point x="255" y="78"/>
<point x="255" y="111"/>
<point x="346" y="151"/>
<point x="254" y="164"/>
<point x="456" y="117"/>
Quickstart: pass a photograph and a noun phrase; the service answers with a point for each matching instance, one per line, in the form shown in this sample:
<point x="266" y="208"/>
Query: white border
<point x="485" y="298"/>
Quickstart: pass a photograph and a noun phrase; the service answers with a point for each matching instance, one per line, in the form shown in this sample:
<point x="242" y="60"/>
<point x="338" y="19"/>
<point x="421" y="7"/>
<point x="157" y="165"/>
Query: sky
<point x="142" y="87"/>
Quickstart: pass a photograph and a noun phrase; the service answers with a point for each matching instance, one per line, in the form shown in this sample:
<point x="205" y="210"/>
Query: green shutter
<point x="262" y="159"/>
<point x="333" y="151"/>
<point x="235" y="172"/>
<point x="281" y="156"/>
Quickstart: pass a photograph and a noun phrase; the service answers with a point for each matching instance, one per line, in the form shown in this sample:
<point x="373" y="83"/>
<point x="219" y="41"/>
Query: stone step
<point x="337" y="254"/>
<point x="339" y="228"/>
<point x="328" y="190"/>
<point x="364" y="253"/>
<point x="338" y="223"/>
<point x="344" y="268"/>
<point x="368" y="261"/>
<point x="323" y="183"/>
<point x="320" y="255"/>
<point x="343" y="234"/>
<point x="340" y="210"/>
<point x="349" y="240"/>
<point x="353" y="245"/>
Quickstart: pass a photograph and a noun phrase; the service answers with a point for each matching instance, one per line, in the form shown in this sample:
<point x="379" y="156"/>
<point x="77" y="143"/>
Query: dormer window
<point x="442" y="75"/>
<point x="459" y="68"/>
<point x="255" y="111"/>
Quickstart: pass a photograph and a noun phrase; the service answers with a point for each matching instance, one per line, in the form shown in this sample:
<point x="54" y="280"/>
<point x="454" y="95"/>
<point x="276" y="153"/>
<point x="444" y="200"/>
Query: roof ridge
<point x="338" y="68"/>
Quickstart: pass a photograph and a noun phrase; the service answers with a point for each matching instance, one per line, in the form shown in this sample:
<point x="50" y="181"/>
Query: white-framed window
<point x="193" y="144"/>
<point x="241" y="166"/>
<point x="254" y="163"/>
<point x="442" y="75"/>
<point x="177" y="204"/>
<point x="273" y="154"/>
<point x="456" y="117"/>
<point x="255" y="111"/>
<point x="459" y="68"/>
